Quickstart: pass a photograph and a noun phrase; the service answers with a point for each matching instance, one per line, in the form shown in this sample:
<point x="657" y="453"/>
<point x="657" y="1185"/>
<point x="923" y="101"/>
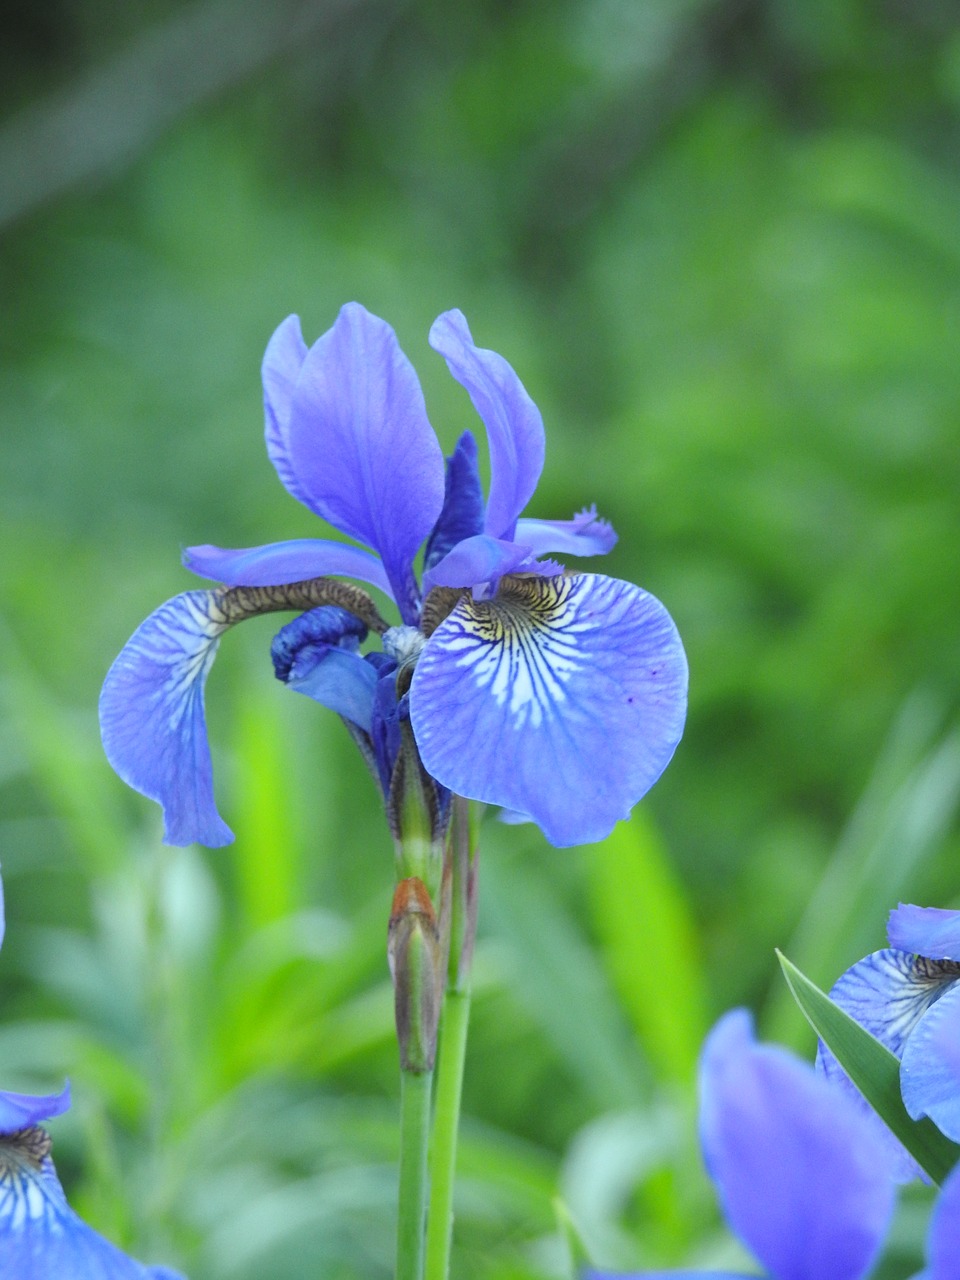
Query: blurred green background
<point x="720" y="242"/>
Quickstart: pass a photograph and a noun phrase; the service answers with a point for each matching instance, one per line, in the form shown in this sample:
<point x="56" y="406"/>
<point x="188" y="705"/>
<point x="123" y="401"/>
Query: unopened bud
<point x="416" y="964"/>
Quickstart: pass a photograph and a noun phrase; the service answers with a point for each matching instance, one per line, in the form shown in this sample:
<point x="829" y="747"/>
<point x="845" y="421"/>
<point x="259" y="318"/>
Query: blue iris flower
<point x="560" y="697"/>
<point x="802" y="1179"/>
<point x="41" y="1238"/>
<point x="908" y="997"/>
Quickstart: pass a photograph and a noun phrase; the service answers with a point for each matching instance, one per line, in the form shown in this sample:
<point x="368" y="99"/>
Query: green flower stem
<point x="415" y="1090"/>
<point x="454" y="1022"/>
<point x="443" y="1152"/>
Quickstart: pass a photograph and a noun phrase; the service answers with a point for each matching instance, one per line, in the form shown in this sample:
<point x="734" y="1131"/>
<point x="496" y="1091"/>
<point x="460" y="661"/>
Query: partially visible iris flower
<point x="802" y="1180"/>
<point x="558" y="697"/>
<point x="41" y="1238"/>
<point x="908" y="997"/>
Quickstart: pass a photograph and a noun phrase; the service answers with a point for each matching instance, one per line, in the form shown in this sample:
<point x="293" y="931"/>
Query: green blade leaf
<point x="874" y="1070"/>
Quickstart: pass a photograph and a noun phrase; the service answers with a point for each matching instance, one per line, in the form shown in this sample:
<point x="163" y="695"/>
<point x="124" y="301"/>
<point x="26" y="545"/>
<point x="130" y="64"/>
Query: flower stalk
<point x="462" y="862"/>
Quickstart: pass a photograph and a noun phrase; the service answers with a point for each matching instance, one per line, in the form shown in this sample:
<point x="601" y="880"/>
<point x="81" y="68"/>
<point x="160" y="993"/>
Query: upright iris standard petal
<point x="562" y="697"/>
<point x="152" y="716"/>
<point x="803" y="1181"/>
<point x="513" y="422"/>
<point x="585" y="535"/>
<point x="928" y="931"/>
<point x="41" y="1238"/>
<point x="930" y="1067"/>
<point x="282" y="361"/>
<point x="361" y="446"/>
<point x="463" y="504"/>
<point x="277" y="563"/>
<point x="889" y="993"/>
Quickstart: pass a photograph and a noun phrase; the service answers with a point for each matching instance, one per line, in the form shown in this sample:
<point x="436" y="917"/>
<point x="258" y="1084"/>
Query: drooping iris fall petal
<point x="562" y="697"/>
<point x="152" y="717"/>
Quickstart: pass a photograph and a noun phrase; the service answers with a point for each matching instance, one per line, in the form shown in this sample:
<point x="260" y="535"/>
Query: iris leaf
<point x="874" y="1070"/>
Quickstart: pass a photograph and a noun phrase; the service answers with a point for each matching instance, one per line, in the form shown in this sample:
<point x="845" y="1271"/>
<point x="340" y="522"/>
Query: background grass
<point x="720" y="242"/>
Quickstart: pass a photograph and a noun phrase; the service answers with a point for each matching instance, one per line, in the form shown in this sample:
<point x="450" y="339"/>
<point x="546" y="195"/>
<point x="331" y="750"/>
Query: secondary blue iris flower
<point x="41" y="1238"/>
<point x="560" y="697"/>
<point x="908" y="997"/>
<point x="801" y="1178"/>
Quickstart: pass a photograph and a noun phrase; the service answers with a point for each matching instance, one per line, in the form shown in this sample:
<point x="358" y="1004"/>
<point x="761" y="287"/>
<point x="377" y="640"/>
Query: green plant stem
<point x="415" y="1089"/>
<point x="443" y="1152"/>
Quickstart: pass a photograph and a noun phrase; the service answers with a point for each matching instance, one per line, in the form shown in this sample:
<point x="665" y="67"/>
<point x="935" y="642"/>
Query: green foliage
<point x="719" y="242"/>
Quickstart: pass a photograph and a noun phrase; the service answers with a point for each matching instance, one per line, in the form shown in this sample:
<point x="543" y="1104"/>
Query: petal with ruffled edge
<point x="562" y="697"/>
<point x="802" y="1180"/>
<point x="278" y="563"/>
<point x="930" y="1066"/>
<point x="463" y="504"/>
<point x="888" y="992"/>
<point x="282" y="361"/>
<point x="40" y="1235"/>
<point x="513" y="422"/>
<point x="928" y="931"/>
<point x="24" y="1110"/>
<point x="943" y="1237"/>
<point x="152" y="716"/>
<point x="482" y="559"/>
<point x="361" y="446"/>
<point x="316" y="655"/>
<point x="585" y="535"/>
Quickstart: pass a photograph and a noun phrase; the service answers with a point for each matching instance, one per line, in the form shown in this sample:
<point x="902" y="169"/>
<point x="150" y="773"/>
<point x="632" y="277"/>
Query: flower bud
<point x="416" y="965"/>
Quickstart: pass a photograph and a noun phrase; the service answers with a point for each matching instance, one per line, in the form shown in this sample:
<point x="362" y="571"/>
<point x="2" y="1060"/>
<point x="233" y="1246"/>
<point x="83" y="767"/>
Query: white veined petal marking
<point x="28" y="1194"/>
<point x="522" y="645"/>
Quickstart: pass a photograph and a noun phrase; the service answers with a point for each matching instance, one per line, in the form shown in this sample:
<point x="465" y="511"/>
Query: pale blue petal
<point x="41" y="1238"/>
<point x="887" y="992"/>
<point x="585" y="535"/>
<point x="463" y="504"/>
<point x="943" y="1239"/>
<point x="477" y="560"/>
<point x="152" y="716"/>
<point x="341" y="681"/>
<point x="278" y="563"/>
<point x="513" y="422"/>
<point x="24" y="1110"/>
<point x="802" y="1179"/>
<point x="362" y="448"/>
<point x="563" y="698"/>
<point x="929" y="931"/>
<point x="666" y="1275"/>
<point x="930" y="1067"/>
<point x="282" y="361"/>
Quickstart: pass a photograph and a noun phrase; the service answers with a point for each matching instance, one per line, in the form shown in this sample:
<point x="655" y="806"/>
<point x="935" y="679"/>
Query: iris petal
<point x="24" y="1110"/>
<point x="563" y="698"/>
<point x="585" y="535"/>
<point x="513" y="422"/>
<point x="152" y="716"/>
<point x="277" y="563"/>
<point x="316" y="655"/>
<point x="480" y="559"/>
<point x="930" y="1070"/>
<point x="888" y="992"/>
<point x="929" y="931"/>
<point x="361" y="446"/>
<point x="463" y="505"/>
<point x="40" y="1235"/>
<point x="282" y="361"/>
<point x="943" y="1240"/>
<point x="802" y="1179"/>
